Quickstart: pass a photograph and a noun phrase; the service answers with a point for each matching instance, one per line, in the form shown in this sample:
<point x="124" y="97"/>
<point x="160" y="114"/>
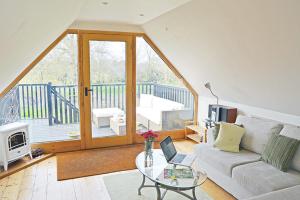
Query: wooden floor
<point x="39" y="182"/>
<point x="22" y="163"/>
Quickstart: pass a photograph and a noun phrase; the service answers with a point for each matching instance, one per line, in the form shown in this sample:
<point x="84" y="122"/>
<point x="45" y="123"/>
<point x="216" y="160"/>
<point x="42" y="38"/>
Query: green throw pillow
<point x="229" y="137"/>
<point x="279" y="151"/>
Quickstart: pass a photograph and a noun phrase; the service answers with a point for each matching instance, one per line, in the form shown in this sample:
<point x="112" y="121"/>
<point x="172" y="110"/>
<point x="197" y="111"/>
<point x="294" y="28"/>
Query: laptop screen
<point x="168" y="148"/>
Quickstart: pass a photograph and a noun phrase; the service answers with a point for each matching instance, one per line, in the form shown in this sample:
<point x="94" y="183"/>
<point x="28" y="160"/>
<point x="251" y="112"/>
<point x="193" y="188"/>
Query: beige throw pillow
<point x="229" y="137"/>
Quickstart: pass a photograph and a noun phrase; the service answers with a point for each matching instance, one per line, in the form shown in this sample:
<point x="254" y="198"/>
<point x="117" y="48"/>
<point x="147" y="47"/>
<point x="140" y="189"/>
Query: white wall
<point x="248" y="50"/>
<point x="247" y="110"/>
<point x="29" y="27"/>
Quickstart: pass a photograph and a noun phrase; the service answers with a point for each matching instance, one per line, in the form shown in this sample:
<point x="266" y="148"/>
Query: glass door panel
<point x="163" y="103"/>
<point x="108" y="85"/>
<point x="106" y="64"/>
<point x="46" y="98"/>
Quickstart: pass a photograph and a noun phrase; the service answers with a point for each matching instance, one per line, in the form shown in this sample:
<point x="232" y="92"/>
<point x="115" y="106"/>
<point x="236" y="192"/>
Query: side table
<point x="199" y="134"/>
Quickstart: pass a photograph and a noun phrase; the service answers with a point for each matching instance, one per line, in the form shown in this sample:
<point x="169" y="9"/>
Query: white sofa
<point x="243" y="174"/>
<point x="161" y="114"/>
<point x="284" y="194"/>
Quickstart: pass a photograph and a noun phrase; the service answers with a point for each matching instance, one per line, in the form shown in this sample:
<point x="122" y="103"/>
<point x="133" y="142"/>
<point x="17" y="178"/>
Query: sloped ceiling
<point x="29" y="27"/>
<point x="248" y="50"/>
<point x="126" y="11"/>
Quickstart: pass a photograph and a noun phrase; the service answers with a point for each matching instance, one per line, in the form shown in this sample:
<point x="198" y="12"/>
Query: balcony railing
<point x="59" y="104"/>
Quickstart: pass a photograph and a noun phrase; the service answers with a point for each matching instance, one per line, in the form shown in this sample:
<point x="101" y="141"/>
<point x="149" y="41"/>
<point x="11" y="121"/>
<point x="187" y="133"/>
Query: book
<point x="170" y="172"/>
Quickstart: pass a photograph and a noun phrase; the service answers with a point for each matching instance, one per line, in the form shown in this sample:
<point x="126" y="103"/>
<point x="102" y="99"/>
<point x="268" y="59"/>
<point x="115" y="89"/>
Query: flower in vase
<point x="149" y="136"/>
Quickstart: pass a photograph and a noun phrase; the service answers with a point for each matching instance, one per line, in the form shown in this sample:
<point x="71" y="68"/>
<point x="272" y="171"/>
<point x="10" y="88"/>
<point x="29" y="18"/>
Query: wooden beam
<point x="60" y="146"/>
<point x="81" y="31"/>
<point x="175" y="135"/>
<point x="133" y="92"/>
<point x="81" y="89"/>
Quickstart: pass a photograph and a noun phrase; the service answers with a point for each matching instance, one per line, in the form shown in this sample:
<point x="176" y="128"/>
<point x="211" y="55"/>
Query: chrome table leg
<point x="158" y="192"/>
<point x="142" y="185"/>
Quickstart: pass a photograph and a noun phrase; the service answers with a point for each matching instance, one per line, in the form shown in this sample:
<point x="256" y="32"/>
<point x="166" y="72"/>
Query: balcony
<point x="53" y="114"/>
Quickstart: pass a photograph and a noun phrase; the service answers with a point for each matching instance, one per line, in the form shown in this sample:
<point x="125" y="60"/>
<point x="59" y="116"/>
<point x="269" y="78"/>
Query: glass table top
<point x="157" y="172"/>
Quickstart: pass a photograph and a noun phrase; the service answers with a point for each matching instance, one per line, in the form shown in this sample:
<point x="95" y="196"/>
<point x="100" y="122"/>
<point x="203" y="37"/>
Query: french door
<point x="107" y="90"/>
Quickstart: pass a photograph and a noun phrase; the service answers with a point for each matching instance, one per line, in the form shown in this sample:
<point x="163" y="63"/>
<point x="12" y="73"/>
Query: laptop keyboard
<point x="178" y="158"/>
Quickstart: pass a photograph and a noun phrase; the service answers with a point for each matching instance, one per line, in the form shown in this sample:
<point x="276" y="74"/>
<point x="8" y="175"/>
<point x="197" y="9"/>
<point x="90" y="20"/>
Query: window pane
<point x="47" y="97"/>
<point x="108" y="98"/>
<point x="163" y="103"/>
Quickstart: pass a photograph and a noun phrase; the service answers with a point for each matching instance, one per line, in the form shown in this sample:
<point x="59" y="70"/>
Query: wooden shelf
<point x="194" y="128"/>
<point x="195" y="137"/>
<point x="199" y="134"/>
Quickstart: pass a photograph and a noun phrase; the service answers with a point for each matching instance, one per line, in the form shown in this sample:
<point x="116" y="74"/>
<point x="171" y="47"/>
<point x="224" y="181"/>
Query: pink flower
<point x="149" y="135"/>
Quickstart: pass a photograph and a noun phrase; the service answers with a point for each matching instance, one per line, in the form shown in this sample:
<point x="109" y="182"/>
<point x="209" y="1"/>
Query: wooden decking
<point x="40" y="131"/>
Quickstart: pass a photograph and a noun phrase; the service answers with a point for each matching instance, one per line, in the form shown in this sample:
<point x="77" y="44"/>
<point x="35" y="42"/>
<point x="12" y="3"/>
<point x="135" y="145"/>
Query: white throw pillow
<point x="258" y="132"/>
<point x="293" y="132"/>
<point x="146" y="101"/>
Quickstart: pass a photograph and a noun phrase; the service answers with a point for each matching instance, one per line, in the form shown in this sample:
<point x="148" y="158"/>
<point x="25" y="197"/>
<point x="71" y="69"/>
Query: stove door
<point x="16" y="140"/>
<point x="17" y="145"/>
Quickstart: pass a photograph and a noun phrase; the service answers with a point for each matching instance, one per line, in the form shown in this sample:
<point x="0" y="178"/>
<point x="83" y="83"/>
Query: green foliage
<point x="107" y="64"/>
<point x="59" y="66"/>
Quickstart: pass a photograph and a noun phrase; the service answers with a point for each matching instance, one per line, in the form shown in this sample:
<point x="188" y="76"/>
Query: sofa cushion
<point x="224" y="161"/>
<point x="257" y="133"/>
<point x="165" y="104"/>
<point x="279" y="151"/>
<point x="229" y="137"/>
<point x="260" y="177"/>
<point x="106" y="112"/>
<point x="151" y="114"/>
<point x="158" y="103"/>
<point x="293" y="132"/>
<point x="291" y="193"/>
<point x="146" y="101"/>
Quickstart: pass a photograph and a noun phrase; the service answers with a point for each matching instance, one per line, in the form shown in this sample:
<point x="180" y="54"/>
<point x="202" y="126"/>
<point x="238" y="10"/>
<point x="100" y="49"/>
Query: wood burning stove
<point x="14" y="142"/>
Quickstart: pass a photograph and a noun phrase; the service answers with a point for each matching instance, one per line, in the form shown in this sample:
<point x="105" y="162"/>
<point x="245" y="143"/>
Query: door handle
<point x="87" y="90"/>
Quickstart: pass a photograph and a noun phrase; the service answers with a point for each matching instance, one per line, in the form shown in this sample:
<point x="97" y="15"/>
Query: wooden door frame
<point x="72" y="145"/>
<point x="89" y="141"/>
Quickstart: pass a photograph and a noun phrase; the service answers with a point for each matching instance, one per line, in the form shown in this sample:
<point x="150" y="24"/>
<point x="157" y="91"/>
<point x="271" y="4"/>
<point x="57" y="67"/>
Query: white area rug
<point x="125" y="187"/>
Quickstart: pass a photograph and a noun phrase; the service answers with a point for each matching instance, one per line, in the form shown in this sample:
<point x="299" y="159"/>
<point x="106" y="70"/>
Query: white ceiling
<point x="126" y="11"/>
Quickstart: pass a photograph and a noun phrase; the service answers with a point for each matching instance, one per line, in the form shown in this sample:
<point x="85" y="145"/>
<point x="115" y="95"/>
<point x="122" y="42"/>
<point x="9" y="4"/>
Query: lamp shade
<point x="207" y="85"/>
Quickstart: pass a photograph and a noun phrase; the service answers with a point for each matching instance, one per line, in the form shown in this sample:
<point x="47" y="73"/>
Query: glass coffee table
<point x="155" y="173"/>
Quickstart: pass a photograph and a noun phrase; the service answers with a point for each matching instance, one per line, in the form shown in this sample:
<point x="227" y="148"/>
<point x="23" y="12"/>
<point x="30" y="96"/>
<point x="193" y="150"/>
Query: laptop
<point x="172" y="156"/>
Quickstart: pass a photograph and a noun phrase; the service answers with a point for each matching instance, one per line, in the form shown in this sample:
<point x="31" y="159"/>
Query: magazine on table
<point x="179" y="172"/>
